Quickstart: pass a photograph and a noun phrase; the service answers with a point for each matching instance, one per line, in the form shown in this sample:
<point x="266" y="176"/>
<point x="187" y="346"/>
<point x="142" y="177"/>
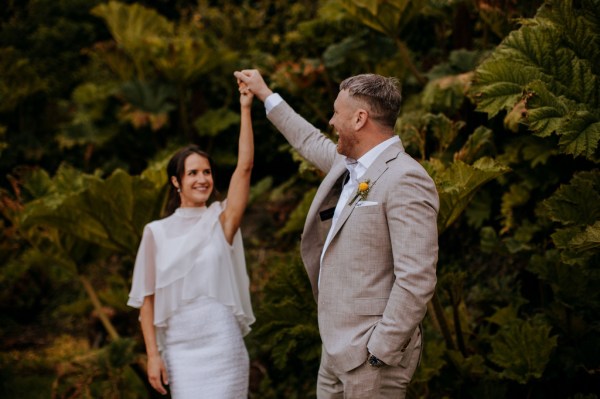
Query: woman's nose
<point x="200" y="178"/>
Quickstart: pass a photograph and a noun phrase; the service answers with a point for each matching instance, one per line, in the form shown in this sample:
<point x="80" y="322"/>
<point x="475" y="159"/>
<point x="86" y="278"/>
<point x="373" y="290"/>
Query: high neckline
<point x="189" y="212"/>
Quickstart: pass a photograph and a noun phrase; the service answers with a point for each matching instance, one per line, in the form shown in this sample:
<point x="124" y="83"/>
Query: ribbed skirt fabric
<point x="205" y="353"/>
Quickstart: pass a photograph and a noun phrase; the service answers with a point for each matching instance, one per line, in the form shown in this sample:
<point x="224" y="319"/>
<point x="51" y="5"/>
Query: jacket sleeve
<point x="313" y="145"/>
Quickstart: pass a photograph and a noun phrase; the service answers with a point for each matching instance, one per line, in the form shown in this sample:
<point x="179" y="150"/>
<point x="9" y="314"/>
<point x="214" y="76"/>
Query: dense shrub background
<point x="500" y="105"/>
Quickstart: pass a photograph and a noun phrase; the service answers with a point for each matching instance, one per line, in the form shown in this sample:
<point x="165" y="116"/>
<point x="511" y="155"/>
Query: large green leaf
<point x="188" y="54"/>
<point x="447" y="93"/>
<point x="498" y="85"/>
<point x="386" y="16"/>
<point x="152" y="97"/>
<point x="576" y="206"/>
<point x="133" y="26"/>
<point x="550" y="63"/>
<point x="476" y="144"/>
<point x="181" y="53"/>
<point x="545" y="111"/>
<point x="523" y="348"/>
<point x="588" y="240"/>
<point x="414" y="128"/>
<point x="580" y="134"/>
<point x="458" y="183"/>
<point x="108" y="213"/>
<point x="576" y="203"/>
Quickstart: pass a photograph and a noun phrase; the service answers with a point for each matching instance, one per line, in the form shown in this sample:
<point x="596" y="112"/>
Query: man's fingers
<point x="245" y="74"/>
<point x="240" y="76"/>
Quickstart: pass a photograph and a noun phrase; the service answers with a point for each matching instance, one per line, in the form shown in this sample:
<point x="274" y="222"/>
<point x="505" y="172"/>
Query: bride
<point x="190" y="280"/>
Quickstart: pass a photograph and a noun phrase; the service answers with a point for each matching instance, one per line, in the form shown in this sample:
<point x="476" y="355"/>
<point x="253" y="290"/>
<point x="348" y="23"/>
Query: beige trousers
<point x="366" y="381"/>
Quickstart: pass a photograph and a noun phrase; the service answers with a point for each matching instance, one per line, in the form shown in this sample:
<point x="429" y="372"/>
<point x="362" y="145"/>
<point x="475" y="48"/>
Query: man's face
<point x="344" y="122"/>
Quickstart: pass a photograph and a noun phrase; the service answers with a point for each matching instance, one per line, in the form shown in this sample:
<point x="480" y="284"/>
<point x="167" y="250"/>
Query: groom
<point x="370" y="238"/>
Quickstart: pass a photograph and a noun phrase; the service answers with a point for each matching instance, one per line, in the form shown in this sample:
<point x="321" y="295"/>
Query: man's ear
<point x="360" y="118"/>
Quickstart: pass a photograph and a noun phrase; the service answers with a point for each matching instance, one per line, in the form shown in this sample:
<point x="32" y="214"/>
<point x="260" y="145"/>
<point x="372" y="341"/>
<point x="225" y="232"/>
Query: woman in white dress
<point x="190" y="280"/>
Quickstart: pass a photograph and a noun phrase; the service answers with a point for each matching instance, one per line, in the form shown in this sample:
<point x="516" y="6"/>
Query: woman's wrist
<point x="153" y="354"/>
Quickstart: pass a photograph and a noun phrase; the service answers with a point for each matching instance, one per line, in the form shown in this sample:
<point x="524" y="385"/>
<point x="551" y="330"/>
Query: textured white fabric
<point x="205" y="354"/>
<point x="185" y="256"/>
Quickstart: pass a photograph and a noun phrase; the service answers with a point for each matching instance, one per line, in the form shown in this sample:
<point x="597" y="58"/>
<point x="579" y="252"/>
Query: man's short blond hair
<point x="381" y="94"/>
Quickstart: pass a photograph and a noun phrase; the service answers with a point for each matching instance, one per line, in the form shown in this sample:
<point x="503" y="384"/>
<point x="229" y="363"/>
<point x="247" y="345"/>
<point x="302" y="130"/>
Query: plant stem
<point x="110" y="329"/>
<point x="442" y="322"/>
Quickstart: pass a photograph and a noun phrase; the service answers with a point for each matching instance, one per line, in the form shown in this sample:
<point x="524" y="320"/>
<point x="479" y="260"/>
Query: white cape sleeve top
<point x="186" y="255"/>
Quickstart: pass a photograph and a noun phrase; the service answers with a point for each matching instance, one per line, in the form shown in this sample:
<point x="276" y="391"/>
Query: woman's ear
<point x="175" y="182"/>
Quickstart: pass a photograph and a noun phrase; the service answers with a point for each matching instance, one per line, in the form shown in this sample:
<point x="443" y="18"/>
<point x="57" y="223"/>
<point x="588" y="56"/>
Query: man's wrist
<point x="264" y="95"/>
<point x="271" y="101"/>
<point x="374" y="361"/>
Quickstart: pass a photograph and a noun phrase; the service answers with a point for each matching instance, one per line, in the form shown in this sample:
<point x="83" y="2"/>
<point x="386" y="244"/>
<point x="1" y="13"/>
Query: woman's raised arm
<point x="239" y="186"/>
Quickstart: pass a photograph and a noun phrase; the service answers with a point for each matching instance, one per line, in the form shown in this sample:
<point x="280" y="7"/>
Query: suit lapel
<point x="379" y="166"/>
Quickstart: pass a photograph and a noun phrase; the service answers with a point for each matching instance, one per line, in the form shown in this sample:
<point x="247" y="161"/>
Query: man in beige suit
<point x="370" y="239"/>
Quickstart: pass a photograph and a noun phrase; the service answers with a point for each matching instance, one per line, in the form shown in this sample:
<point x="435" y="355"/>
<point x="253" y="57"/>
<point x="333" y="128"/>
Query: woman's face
<point x="196" y="182"/>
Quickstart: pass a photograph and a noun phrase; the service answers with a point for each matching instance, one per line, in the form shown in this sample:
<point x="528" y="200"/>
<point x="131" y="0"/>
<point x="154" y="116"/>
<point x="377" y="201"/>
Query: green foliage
<point x="134" y="27"/>
<point x="458" y="184"/>
<point x="115" y="91"/>
<point x="572" y="285"/>
<point x="214" y="122"/>
<point x="109" y="213"/>
<point x="522" y="349"/>
<point x="295" y="223"/>
<point x="181" y="53"/>
<point x="89" y="103"/>
<point x="550" y="64"/>
<point x="19" y="79"/>
<point x="101" y="373"/>
<point x="449" y="82"/>
<point x="576" y="207"/>
<point x="149" y="97"/>
<point x="385" y="16"/>
<point x="287" y="330"/>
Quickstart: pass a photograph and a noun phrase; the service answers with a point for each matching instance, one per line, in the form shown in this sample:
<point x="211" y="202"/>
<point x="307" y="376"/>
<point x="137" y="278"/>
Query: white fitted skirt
<point x="205" y="353"/>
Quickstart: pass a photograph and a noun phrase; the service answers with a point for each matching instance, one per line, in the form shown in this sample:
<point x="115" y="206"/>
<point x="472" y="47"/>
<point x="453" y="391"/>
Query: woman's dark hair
<point x="176" y="167"/>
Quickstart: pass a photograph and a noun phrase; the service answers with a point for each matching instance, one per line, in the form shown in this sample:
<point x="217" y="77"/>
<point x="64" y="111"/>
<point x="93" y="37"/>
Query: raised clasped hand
<point x="246" y="94"/>
<point x="254" y="82"/>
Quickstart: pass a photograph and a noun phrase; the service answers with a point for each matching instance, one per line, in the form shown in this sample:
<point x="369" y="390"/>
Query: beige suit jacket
<point x="378" y="272"/>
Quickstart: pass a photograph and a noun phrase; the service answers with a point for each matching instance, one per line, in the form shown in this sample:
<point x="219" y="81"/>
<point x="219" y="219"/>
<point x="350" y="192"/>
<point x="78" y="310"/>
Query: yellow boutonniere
<point x="362" y="191"/>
